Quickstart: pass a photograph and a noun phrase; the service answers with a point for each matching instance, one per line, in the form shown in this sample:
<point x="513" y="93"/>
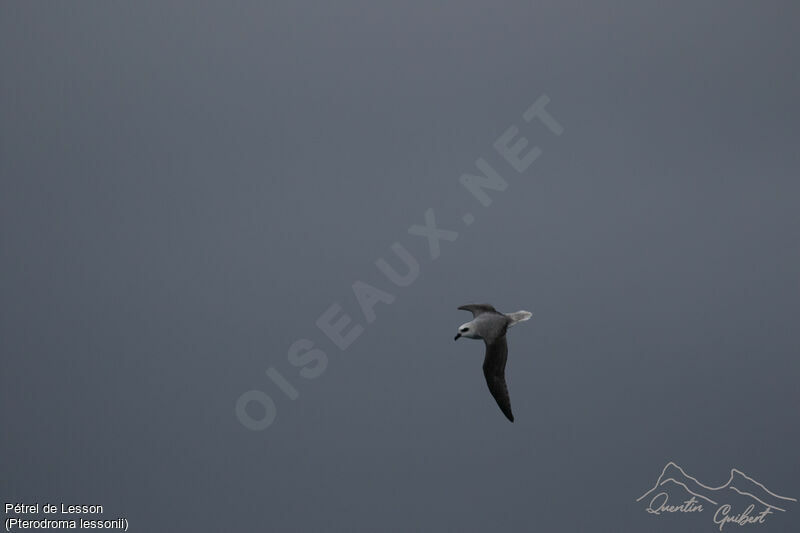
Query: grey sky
<point x="186" y="188"/>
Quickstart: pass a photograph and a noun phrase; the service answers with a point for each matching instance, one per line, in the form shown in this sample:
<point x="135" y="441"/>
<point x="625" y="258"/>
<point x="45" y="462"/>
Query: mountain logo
<point x="741" y="500"/>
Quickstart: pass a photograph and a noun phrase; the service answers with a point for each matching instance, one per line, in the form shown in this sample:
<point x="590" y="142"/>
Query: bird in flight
<point x="491" y="325"/>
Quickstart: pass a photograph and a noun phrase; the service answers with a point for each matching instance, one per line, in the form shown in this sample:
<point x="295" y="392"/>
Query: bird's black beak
<point x="457" y="336"/>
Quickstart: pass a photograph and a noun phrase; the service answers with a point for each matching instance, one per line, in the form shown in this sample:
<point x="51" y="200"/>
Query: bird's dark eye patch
<point x="462" y="330"/>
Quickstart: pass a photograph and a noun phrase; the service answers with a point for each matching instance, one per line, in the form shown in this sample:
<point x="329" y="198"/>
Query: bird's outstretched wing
<point x="478" y="309"/>
<point x="494" y="368"/>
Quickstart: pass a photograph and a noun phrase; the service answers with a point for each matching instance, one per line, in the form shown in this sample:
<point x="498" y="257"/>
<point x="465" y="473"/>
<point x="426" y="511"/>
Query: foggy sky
<point x="186" y="188"/>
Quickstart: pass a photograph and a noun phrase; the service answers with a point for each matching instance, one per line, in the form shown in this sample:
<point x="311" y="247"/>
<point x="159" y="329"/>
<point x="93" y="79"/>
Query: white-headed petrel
<point x="491" y="325"/>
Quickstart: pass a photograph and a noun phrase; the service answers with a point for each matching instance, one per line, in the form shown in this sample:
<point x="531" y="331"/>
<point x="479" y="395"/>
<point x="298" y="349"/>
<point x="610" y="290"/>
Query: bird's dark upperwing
<point x="478" y="309"/>
<point x="494" y="368"/>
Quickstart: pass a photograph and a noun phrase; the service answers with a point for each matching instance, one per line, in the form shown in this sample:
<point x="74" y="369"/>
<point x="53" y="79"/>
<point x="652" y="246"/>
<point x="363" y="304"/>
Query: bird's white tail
<point x="519" y="316"/>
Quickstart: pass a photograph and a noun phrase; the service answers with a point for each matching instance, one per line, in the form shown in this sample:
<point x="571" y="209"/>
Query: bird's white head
<point x="467" y="330"/>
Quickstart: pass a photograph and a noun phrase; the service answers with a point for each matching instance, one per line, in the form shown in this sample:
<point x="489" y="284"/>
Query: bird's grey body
<point x="491" y="326"/>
